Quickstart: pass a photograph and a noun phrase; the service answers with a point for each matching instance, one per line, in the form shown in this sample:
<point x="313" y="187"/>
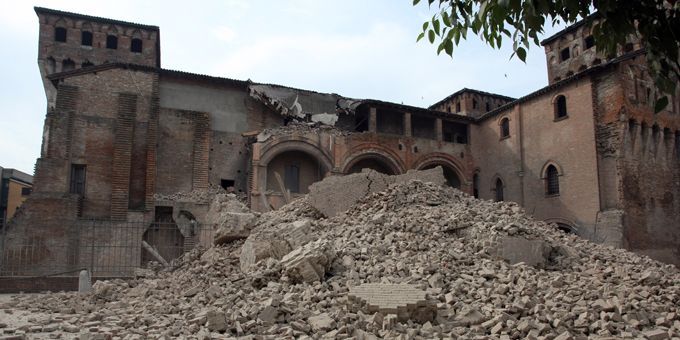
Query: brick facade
<point x="140" y="130"/>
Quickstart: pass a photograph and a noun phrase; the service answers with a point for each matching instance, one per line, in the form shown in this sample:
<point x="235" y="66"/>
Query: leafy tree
<point x="656" y="23"/>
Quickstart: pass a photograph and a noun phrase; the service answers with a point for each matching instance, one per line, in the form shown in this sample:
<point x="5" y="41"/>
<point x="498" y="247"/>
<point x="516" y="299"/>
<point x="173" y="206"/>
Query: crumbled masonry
<point x="477" y="269"/>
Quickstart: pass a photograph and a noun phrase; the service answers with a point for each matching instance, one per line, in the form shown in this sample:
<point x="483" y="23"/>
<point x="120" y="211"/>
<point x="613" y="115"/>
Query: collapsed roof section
<point x="302" y="105"/>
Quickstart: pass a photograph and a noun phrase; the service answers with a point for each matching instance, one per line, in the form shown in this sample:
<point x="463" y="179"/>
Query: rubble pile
<point x="415" y="260"/>
<point x="301" y="128"/>
<point x="194" y="196"/>
<point x="230" y="218"/>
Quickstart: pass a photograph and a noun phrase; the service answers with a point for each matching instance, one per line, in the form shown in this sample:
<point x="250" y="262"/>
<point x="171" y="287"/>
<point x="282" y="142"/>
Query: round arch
<point x="563" y="224"/>
<point x="455" y="176"/>
<point x="373" y="156"/>
<point x="301" y="147"/>
<point x="372" y="160"/>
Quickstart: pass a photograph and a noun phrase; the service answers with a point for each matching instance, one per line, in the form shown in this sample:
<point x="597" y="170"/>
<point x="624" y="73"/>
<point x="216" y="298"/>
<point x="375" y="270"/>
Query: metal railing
<point x="105" y="248"/>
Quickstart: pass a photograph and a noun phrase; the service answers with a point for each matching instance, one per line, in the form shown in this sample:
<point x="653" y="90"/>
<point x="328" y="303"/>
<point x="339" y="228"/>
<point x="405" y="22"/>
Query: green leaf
<point x="425" y="24"/>
<point x="415" y="2"/>
<point x="420" y="36"/>
<point x="448" y="47"/>
<point x="660" y="104"/>
<point x="435" y="24"/>
<point x="521" y="54"/>
<point x="430" y="36"/>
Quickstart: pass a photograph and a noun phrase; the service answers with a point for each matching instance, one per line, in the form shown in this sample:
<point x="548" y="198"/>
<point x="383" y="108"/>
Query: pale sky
<point x="356" y="48"/>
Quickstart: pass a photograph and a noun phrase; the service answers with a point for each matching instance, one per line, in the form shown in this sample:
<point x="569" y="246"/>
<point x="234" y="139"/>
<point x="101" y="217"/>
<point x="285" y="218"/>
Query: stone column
<point x="373" y="120"/>
<point x="438" y="129"/>
<point x="407" y="124"/>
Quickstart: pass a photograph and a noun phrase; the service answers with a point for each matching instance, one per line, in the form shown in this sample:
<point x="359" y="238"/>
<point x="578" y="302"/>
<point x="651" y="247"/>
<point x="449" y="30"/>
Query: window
<point x="629" y="47"/>
<point x="60" y="34"/>
<point x="457" y="107"/>
<point x="111" y="42"/>
<point x="86" y="38"/>
<point x="77" y="179"/>
<point x="505" y="128"/>
<point x="227" y="183"/>
<point x="590" y="41"/>
<point x="86" y="63"/>
<point x="474" y="103"/>
<point x="136" y="45"/>
<point x="552" y="181"/>
<point x="475" y="185"/>
<point x="488" y="107"/>
<point x="560" y="107"/>
<point x="68" y="65"/>
<point x="564" y="54"/>
<point x="292" y="178"/>
<point x="25" y="191"/>
<point x="499" y="190"/>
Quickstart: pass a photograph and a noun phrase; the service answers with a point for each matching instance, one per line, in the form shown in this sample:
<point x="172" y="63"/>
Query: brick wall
<point x="639" y="150"/>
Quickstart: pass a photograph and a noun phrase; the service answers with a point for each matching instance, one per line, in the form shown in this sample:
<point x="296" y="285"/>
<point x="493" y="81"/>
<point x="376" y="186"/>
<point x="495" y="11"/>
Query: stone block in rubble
<point x="336" y="194"/>
<point x="275" y="243"/>
<point x="321" y="322"/>
<point x="406" y="301"/>
<point x="233" y="226"/>
<point x="309" y="262"/>
<point x="519" y="249"/>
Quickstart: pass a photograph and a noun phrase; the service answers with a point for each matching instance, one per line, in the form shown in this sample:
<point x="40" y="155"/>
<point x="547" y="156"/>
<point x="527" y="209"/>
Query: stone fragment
<point x="84" y="282"/>
<point x="336" y="194"/>
<point x="321" y="322"/>
<point x="656" y="334"/>
<point x="519" y="249"/>
<point x="217" y="321"/>
<point x="275" y="243"/>
<point x="310" y="262"/>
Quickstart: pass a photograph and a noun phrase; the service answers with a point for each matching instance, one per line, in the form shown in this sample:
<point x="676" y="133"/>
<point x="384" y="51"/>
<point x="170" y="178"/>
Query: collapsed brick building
<point x="121" y="133"/>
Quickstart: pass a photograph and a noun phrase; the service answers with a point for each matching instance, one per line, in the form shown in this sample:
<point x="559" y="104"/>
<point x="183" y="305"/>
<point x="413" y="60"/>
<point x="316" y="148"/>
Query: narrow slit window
<point x="499" y="190"/>
<point x="77" y="179"/>
<point x="560" y="107"/>
<point x="505" y="128"/>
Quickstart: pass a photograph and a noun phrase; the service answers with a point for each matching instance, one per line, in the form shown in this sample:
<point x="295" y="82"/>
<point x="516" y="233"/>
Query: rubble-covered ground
<point x="438" y="239"/>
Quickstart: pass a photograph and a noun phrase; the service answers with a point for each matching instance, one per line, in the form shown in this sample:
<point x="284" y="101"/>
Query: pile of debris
<point x="414" y="259"/>
<point x="195" y="196"/>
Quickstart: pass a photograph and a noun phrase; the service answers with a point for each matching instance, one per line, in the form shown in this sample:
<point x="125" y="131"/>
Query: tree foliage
<point x="656" y="23"/>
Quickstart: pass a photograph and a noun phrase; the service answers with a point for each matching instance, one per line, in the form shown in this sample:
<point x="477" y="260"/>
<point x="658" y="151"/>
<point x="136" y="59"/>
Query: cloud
<point x="224" y="33"/>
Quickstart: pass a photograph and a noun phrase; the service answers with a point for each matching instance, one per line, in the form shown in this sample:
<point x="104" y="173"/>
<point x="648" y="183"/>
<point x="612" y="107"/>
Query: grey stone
<point x="321" y="322"/>
<point x="519" y="249"/>
<point x="336" y="194"/>
<point x="309" y="262"/>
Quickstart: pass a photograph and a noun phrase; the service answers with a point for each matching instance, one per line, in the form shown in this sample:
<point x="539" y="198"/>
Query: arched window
<point x="86" y="38"/>
<point x="560" y="107"/>
<point x="136" y="45"/>
<point x="552" y="181"/>
<point x="111" y="42"/>
<point x="505" y="128"/>
<point x="60" y="34"/>
<point x="498" y="188"/>
<point x="457" y="107"/>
